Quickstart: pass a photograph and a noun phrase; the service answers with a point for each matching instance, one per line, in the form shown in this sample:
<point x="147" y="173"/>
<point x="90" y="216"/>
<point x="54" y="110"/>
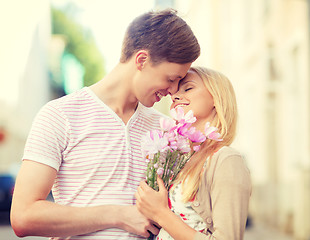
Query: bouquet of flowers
<point x="167" y="150"/>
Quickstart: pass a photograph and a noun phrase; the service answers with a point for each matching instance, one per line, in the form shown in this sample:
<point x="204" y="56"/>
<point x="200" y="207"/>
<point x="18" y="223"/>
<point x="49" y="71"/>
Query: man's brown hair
<point x="166" y="37"/>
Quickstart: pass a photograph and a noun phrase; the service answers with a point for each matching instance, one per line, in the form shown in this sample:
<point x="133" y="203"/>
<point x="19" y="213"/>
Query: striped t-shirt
<point x="98" y="157"/>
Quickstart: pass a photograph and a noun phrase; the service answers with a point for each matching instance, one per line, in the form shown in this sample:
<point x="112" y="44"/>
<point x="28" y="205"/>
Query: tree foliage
<point x="81" y="44"/>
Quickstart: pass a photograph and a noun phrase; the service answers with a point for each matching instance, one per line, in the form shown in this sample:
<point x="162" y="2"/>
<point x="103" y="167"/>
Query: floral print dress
<point x="184" y="211"/>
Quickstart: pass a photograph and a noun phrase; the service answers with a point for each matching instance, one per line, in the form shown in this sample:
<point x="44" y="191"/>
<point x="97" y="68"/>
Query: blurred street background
<point x="257" y="232"/>
<point x="50" y="48"/>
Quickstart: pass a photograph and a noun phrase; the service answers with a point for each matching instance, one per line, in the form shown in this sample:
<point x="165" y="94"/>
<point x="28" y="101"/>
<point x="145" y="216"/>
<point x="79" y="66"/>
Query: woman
<point x="210" y="197"/>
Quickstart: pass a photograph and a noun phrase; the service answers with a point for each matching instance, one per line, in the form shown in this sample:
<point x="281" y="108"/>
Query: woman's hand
<point x="154" y="206"/>
<point x="150" y="203"/>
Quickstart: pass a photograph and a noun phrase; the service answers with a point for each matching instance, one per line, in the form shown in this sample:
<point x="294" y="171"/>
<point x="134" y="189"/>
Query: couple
<point x="86" y="148"/>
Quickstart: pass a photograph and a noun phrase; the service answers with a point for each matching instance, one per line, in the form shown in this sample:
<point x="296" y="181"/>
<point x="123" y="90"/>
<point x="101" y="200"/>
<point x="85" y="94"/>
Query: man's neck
<point x="115" y="91"/>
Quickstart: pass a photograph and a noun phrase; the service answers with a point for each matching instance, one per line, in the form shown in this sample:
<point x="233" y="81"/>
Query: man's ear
<point x="141" y="58"/>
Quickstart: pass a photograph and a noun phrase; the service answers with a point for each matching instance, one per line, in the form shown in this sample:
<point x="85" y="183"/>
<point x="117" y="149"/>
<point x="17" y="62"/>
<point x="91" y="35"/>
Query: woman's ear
<point x="141" y="58"/>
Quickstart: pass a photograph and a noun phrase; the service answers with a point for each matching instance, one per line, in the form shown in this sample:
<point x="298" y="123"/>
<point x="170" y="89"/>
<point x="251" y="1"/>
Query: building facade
<point x="263" y="47"/>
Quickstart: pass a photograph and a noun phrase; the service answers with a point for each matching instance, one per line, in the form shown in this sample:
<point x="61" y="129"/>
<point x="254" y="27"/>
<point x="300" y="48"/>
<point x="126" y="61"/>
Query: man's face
<point x="153" y="82"/>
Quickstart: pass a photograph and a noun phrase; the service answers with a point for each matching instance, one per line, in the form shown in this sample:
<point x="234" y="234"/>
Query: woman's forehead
<point x="190" y="77"/>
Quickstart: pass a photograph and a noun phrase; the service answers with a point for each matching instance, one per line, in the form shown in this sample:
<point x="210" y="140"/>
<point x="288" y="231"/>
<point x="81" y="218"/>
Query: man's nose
<point x="173" y="88"/>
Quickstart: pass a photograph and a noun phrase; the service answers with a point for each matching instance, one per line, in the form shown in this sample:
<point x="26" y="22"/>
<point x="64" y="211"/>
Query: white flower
<point x="153" y="142"/>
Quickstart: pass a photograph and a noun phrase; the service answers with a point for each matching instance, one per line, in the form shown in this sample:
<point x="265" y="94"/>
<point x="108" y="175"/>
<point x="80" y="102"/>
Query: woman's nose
<point x="175" y="97"/>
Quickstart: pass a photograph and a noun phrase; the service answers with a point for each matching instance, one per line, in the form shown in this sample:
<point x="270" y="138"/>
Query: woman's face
<point x="193" y="95"/>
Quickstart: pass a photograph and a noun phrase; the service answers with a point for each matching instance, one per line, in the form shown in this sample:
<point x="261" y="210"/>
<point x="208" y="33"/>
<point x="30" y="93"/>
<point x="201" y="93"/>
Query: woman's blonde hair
<point x="225" y="119"/>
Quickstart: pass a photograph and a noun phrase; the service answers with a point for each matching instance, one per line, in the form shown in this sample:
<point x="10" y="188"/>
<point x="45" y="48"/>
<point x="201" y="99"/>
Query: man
<point x="86" y="146"/>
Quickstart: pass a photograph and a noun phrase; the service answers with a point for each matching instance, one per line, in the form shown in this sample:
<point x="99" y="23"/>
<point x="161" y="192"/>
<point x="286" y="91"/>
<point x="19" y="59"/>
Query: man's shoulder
<point x="64" y="105"/>
<point x="75" y="99"/>
<point x="71" y="97"/>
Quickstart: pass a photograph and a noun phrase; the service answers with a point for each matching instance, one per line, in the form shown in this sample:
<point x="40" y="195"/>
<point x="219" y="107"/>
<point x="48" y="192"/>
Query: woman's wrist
<point x="163" y="215"/>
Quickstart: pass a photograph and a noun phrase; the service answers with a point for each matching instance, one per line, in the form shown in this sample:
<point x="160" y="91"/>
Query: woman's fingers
<point x="161" y="184"/>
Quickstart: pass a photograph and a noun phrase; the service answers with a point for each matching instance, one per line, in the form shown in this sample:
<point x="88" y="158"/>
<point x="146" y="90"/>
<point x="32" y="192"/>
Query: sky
<point x="108" y="21"/>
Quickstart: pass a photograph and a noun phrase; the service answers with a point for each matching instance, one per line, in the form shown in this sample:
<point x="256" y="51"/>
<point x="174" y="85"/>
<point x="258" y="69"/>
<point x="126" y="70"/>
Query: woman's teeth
<point x="180" y="105"/>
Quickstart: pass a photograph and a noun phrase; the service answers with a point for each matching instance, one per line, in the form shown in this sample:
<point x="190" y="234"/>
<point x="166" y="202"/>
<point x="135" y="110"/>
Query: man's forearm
<point x="44" y="218"/>
<point x="32" y="215"/>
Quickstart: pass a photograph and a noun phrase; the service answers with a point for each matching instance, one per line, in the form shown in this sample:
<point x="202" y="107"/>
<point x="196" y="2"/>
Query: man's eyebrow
<point x="178" y="76"/>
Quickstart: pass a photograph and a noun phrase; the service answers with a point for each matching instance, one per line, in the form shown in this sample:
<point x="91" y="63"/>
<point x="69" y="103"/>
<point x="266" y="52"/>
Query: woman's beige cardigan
<point x="223" y="196"/>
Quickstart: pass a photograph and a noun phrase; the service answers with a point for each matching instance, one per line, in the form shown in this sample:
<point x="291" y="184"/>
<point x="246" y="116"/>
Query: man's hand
<point x="135" y="222"/>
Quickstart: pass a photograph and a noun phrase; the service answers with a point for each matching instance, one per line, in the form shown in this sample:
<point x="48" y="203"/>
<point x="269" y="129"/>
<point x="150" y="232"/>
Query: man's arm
<point x="33" y="215"/>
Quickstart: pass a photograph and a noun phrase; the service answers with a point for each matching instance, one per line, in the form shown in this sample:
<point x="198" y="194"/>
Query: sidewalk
<point x="259" y="231"/>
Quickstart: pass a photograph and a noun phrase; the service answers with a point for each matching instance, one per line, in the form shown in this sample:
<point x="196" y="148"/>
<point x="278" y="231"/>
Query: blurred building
<point x="263" y="47"/>
<point x="35" y="68"/>
<point x="25" y="37"/>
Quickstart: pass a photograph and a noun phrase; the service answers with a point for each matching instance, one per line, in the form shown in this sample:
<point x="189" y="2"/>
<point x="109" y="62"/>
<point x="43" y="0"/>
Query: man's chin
<point x="148" y="104"/>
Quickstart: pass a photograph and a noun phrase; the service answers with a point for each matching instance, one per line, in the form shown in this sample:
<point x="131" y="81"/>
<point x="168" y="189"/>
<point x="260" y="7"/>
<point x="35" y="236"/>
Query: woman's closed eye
<point x="187" y="89"/>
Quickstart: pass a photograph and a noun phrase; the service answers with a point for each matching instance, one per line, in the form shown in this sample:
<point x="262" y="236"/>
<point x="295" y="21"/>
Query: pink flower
<point x="167" y="124"/>
<point x="183" y="129"/>
<point x="173" y="145"/>
<point x="195" y="135"/>
<point x="211" y="133"/>
<point x="171" y="137"/>
<point x="196" y="148"/>
<point x="183" y="144"/>
<point x="215" y="136"/>
<point x="177" y="113"/>
<point x="179" y="116"/>
<point x="155" y="135"/>
<point x="167" y="151"/>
